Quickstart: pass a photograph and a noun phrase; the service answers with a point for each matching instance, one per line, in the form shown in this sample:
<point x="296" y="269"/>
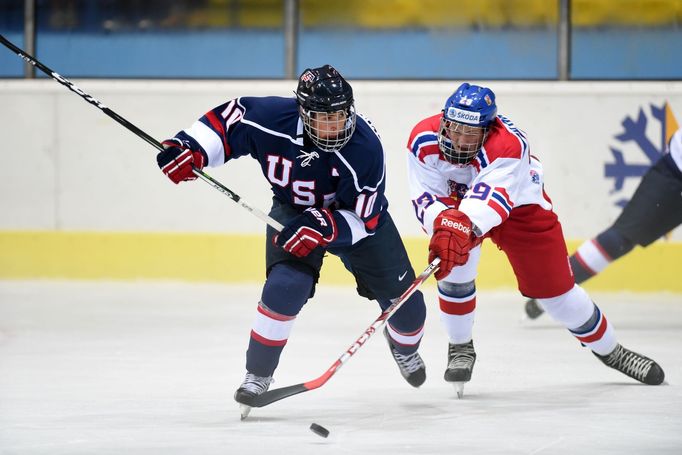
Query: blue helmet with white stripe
<point x="471" y="104"/>
<point x="467" y="116"/>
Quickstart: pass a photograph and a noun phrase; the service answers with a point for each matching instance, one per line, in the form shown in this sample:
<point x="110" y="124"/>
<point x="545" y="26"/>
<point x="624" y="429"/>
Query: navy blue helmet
<point x="326" y="106"/>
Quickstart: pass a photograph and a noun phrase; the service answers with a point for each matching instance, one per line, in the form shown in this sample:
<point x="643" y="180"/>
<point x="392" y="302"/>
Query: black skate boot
<point x="251" y="387"/>
<point x="533" y="309"/>
<point x="411" y="366"/>
<point x="461" y="360"/>
<point x="634" y="365"/>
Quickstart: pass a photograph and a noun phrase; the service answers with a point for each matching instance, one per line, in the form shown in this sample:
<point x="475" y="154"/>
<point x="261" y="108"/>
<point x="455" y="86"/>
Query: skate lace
<point x="461" y="355"/>
<point x="629" y="363"/>
<point x="408" y="363"/>
<point x="256" y="384"/>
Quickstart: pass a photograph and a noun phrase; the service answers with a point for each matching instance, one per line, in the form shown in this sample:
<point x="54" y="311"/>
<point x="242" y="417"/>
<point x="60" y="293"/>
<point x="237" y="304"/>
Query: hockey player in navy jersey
<point x="325" y="164"/>
<point x="472" y="176"/>
<point x="654" y="210"/>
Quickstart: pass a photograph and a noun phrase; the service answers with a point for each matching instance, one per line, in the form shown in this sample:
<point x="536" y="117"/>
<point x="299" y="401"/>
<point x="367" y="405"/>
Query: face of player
<point x="464" y="138"/>
<point x="459" y="142"/>
<point x="330" y="131"/>
<point x="328" y="125"/>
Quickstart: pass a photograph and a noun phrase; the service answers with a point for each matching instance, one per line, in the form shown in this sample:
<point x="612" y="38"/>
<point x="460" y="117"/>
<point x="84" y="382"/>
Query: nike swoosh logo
<point x="400" y="277"/>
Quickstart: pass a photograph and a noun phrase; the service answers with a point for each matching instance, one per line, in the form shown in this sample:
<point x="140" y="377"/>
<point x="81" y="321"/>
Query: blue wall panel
<point x="406" y="54"/>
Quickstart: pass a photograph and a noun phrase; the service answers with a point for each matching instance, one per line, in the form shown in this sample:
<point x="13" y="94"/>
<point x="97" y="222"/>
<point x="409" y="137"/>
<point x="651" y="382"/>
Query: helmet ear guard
<point x="468" y="112"/>
<point x="326" y="107"/>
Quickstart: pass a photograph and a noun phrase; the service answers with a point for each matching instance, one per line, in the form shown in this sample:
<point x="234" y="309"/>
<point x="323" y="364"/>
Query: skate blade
<point x="244" y="410"/>
<point x="459" y="388"/>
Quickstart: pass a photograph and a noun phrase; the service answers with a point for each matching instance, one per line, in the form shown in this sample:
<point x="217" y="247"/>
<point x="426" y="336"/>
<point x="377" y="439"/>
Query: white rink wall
<point x="69" y="167"/>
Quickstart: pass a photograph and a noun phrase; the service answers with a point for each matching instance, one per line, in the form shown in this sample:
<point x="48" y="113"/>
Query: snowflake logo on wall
<point x="634" y="130"/>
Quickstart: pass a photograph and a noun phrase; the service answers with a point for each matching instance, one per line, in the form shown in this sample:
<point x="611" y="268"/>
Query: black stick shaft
<point x="135" y="130"/>
<point x="74" y="88"/>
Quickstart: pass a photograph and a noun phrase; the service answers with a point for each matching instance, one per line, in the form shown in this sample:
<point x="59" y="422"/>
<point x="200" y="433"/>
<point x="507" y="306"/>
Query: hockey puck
<point x="319" y="430"/>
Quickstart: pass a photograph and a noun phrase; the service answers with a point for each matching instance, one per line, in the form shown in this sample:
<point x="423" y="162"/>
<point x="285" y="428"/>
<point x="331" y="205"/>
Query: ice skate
<point x="461" y="359"/>
<point x="634" y="365"/>
<point x="251" y="387"/>
<point x="411" y="366"/>
<point x="533" y="309"/>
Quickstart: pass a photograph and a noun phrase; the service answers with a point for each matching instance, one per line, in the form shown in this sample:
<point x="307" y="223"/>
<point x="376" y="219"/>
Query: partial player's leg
<point x="654" y="210"/>
<point x="285" y="292"/>
<point x="290" y="283"/>
<point x="383" y="272"/>
<point x="410" y="363"/>
<point x="457" y="304"/>
<point x="590" y="258"/>
<point x="533" y="242"/>
<point x="596" y="333"/>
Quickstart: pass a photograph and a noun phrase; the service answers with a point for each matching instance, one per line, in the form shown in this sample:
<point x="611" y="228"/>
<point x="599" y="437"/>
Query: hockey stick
<point x="137" y="131"/>
<point x="273" y="395"/>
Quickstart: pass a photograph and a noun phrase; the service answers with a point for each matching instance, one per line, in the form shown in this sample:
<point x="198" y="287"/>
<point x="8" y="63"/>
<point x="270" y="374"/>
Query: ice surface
<point x="150" y="368"/>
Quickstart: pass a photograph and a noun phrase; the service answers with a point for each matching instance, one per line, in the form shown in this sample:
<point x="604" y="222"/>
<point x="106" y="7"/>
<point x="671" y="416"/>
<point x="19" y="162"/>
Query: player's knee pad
<point x="457" y="289"/>
<point x="573" y="309"/>
<point x="410" y="316"/>
<point x="287" y="289"/>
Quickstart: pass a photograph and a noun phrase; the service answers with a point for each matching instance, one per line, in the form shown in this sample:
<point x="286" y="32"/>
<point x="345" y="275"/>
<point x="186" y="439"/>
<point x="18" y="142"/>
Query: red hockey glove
<point x="451" y="241"/>
<point x="176" y="160"/>
<point x="312" y="228"/>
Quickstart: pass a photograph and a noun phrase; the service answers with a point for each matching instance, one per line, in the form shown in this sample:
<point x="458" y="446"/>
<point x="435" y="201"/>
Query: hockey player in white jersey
<point x="471" y="177"/>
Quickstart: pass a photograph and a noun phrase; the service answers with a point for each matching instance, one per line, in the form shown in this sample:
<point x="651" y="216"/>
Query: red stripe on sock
<point x="601" y="250"/>
<point x="273" y="315"/>
<point x="596" y="335"/>
<point x="408" y="334"/>
<point x="460" y="308"/>
<point x="267" y="342"/>
<point x="583" y="264"/>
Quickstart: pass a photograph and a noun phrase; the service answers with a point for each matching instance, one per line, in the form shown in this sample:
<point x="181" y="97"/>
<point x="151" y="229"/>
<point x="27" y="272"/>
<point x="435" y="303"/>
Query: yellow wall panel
<point x="241" y="258"/>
